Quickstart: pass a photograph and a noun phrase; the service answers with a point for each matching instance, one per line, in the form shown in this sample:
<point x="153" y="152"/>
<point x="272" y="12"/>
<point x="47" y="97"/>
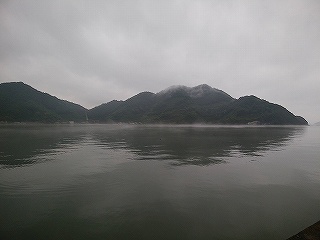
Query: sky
<point x="91" y="52"/>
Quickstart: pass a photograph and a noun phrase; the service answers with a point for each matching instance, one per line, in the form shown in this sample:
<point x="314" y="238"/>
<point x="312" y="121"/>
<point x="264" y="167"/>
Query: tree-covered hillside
<point x="201" y="104"/>
<point x="178" y="104"/>
<point x="21" y="103"/>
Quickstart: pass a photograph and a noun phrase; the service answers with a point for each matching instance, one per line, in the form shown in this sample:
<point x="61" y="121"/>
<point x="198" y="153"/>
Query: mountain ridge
<point x="199" y="104"/>
<point x="20" y="102"/>
<point x="176" y="104"/>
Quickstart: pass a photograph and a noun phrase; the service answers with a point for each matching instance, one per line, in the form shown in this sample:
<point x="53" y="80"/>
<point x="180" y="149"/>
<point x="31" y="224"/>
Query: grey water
<point x="158" y="181"/>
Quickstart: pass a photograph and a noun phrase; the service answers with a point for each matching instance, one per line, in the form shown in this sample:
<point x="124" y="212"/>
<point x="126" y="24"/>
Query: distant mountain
<point x="177" y="104"/>
<point x="200" y="104"/>
<point x="251" y="109"/>
<point x="21" y="103"/>
<point x="317" y="124"/>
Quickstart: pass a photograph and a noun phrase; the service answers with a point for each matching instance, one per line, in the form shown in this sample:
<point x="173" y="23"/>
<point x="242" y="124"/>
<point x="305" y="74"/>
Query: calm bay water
<point x="157" y="182"/>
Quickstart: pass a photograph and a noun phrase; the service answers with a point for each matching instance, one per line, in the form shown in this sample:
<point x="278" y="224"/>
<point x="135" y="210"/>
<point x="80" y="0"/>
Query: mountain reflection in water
<point x="182" y="145"/>
<point x="157" y="182"/>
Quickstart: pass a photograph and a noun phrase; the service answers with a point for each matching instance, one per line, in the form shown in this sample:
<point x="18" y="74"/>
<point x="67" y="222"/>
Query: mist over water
<point x="157" y="181"/>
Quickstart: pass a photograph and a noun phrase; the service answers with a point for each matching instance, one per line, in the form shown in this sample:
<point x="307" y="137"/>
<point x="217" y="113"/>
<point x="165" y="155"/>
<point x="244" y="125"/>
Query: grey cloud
<point x="95" y="51"/>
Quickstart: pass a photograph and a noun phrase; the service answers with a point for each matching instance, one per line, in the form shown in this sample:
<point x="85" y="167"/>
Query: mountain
<point x="200" y="104"/>
<point x="250" y="109"/>
<point x="20" y="102"/>
<point x="317" y="124"/>
<point x="103" y="111"/>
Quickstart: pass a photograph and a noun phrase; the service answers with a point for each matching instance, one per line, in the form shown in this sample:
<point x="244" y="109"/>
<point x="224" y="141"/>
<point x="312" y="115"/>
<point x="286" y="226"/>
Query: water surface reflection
<point x="182" y="145"/>
<point x="157" y="182"/>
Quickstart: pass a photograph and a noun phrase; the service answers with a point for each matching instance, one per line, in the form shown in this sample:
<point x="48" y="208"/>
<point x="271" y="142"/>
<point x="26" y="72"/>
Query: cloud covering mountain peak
<point x="194" y="92"/>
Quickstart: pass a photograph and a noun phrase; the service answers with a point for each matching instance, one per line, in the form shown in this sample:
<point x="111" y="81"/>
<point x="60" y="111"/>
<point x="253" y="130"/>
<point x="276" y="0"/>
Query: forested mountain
<point x="200" y="104"/>
<point x="21" y="103"/>
<point x="178" y="104"/>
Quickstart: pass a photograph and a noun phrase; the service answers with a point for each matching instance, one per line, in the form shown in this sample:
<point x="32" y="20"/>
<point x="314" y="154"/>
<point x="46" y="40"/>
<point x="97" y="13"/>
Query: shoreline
<point x="310" y="233"/>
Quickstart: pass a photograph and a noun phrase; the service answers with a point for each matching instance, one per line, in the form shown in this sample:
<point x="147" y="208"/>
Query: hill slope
<point x="178" y="104"/>
<point x="21" y="103"/>
<point x="200" y="104"/>
<point x="252" y="109"/>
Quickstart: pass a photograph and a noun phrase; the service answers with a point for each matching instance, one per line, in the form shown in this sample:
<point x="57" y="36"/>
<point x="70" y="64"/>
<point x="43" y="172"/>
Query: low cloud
<point x="93" y="52"/>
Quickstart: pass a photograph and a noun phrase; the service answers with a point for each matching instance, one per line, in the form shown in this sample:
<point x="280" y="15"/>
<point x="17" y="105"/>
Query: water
<point x="157" y="182"/>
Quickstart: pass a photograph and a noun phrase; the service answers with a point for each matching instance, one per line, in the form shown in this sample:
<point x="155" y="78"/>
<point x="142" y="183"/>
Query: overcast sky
<point x="91" y="52"/>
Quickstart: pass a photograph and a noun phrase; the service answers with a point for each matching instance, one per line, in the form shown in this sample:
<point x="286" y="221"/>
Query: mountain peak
<point x="12" y="83"/>
<point x="201" y="90"/>
<point x="172" y="89"/>
<point x="194" y="92"/>
<point x="203" y="86"/>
